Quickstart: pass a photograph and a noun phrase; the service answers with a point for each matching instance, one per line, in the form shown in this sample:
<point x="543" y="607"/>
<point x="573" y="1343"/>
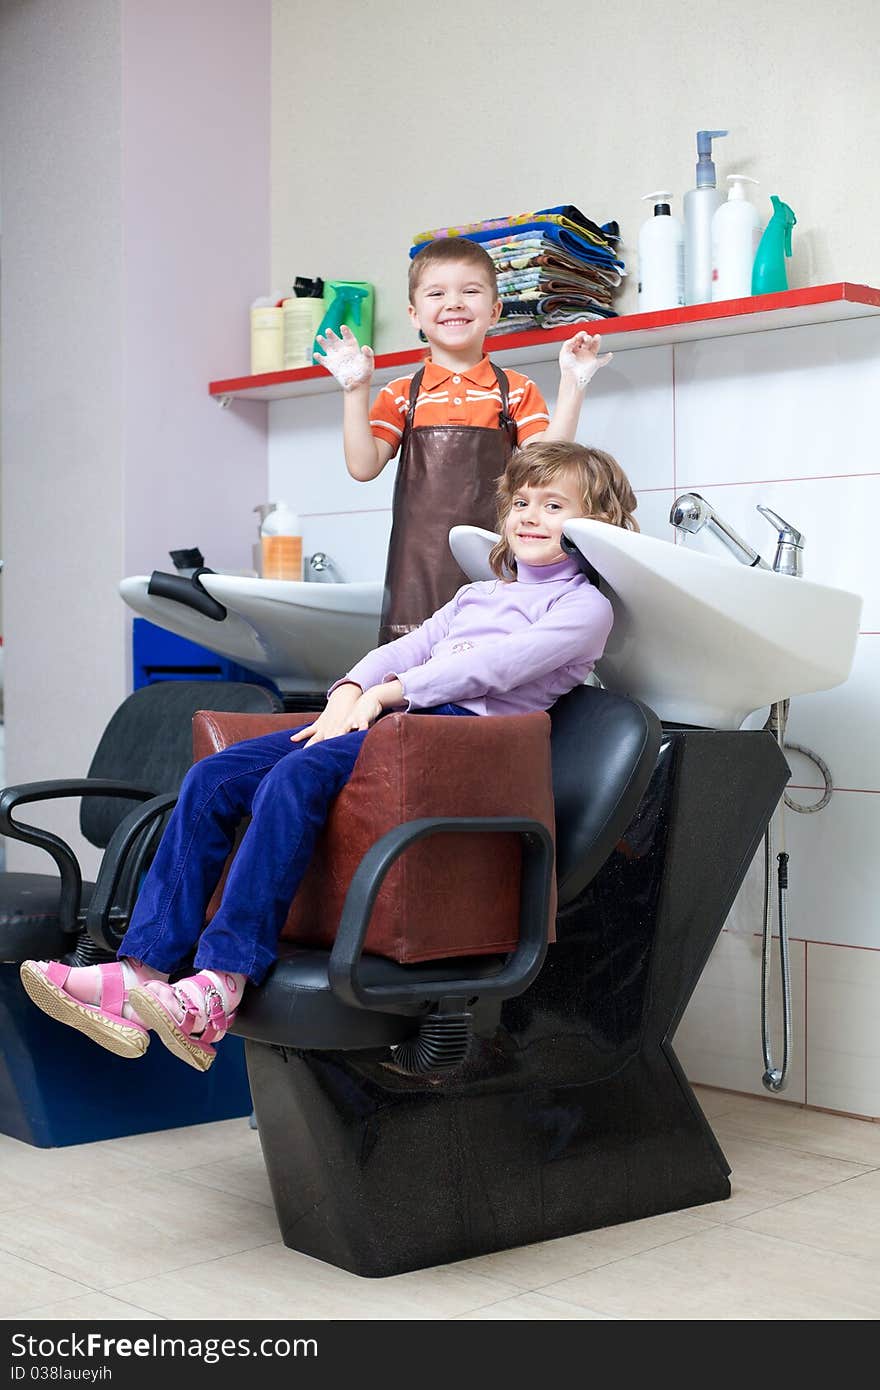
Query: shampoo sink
<point x="302" y="635"/>
<point x="699" y="639"/>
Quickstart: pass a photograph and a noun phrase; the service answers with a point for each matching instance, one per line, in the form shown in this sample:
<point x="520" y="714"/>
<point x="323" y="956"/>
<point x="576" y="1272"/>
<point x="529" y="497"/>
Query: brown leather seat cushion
<point x="448" y="895"/>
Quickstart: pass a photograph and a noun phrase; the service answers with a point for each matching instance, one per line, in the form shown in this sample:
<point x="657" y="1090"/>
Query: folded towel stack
<point x="554" y="266"/>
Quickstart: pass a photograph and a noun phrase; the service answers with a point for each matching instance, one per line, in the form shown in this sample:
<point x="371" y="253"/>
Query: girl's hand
<point x="367" y="709"/>
<point x="334" y="719"/>
<point x="351" y="364"/>
<point x="579" y="358"/>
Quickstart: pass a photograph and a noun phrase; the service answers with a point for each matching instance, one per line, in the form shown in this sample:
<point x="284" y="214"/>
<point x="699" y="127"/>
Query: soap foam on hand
<point x="344" y="358"/>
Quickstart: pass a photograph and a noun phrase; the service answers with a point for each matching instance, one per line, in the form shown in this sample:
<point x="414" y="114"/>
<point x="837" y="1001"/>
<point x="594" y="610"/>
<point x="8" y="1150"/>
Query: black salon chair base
<point x="574" y="1112"/>
<point x="380" y="1173"/>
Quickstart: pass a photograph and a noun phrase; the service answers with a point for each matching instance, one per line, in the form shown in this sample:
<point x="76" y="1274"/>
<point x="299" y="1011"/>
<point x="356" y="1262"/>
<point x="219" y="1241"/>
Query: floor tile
<point x="730" y="1273"/>
<point x="275" y="1282"/>
<point x="813" y="1131"/>
<point x="172" y="1149"/>
<point x="91" y="1307"/>
<point x="844" y="1218"/>
<point x="533" y="1266"/>
<point x="244" y="1175"/>
<point x="532" y="1307"/>
<point x="763" y="1175"/>
<point x="712" y="1101"/>
<point x="28" y="1173"/>
<point x="135" y="1230"/>
<point x="26" y="1284"/>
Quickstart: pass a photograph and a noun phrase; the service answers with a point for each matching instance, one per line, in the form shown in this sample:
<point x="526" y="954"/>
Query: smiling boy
<point x="455" y="421"/>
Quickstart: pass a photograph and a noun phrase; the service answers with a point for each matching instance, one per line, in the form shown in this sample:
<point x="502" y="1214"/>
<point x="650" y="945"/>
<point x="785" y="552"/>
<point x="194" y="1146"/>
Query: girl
<point x="502" y="646"/>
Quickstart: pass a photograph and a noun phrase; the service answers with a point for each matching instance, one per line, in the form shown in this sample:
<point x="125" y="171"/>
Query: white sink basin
<point x="301" y="635"/>
<point x="700" y="639"/>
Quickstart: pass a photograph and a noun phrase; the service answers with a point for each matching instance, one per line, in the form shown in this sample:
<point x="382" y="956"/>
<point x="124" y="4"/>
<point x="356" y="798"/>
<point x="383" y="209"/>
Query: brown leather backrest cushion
<point x="448" y="895"/>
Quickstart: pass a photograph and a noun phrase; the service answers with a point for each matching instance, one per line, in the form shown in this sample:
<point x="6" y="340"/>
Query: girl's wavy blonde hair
<point x="604" y="489"/>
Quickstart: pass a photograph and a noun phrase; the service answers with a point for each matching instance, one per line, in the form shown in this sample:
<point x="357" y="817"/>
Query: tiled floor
<point x="180" y="1224"/>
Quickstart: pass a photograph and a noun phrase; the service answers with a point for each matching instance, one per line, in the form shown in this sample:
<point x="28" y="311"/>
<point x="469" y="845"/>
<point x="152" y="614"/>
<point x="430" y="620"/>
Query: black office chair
<point x="143" y="754"/>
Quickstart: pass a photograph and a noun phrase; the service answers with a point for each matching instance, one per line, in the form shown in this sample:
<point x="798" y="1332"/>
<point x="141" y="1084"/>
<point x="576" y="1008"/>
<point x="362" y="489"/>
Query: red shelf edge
<point x="842" y="290"/>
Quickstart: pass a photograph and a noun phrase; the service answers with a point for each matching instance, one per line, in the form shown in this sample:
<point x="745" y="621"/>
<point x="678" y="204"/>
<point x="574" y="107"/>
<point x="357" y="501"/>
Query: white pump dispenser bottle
<point x="661" y="257"/>
<point x="736" y="231"/>
<point x="700" y="204"/>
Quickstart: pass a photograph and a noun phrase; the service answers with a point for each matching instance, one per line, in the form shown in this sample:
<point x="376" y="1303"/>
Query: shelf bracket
<point x="224" y="402"/>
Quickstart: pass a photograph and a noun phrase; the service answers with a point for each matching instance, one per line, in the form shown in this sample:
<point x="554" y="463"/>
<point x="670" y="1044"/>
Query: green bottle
<point x="348" y="302"/>
<point x="768" y="271"/>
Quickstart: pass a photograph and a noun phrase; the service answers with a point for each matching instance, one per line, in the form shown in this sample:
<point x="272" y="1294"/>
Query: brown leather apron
<point x="446" y="477"/>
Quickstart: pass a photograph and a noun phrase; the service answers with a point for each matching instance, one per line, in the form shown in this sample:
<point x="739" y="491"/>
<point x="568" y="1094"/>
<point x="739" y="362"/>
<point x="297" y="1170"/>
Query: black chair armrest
<point x="119" y="875"/>
<point x="521" y="966"/>
<point x="59" y="850"/>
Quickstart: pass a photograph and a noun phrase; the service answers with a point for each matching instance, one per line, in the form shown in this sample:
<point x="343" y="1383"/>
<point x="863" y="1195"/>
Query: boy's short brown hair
<point x="605" y="489"/>
<point x="451" y="248"/>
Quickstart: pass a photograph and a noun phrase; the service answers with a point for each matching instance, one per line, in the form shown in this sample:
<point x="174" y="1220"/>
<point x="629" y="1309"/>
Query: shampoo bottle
<point x="736" y="231"/>
<point x="768" y="273"/>
<point x="661" y="257"/>
<point x="700" y="205"/>
<point x="281" y="544"/>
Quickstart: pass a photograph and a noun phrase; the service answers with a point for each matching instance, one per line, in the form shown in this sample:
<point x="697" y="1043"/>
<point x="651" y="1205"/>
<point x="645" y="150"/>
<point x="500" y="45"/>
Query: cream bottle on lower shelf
<point x="281" y="544"/>
<point x="302" y="319"/>
<point x="267" y="337"/>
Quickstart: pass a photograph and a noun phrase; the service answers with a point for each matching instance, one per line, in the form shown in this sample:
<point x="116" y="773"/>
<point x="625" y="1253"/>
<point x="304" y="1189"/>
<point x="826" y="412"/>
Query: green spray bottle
<point x="768" y="271"/>
<point x="348" y="302"/>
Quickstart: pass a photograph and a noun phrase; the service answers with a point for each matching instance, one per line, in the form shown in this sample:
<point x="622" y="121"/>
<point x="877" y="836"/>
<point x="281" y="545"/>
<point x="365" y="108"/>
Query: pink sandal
<point x="103" y="1022"/>
<point x="172" y="1014"/>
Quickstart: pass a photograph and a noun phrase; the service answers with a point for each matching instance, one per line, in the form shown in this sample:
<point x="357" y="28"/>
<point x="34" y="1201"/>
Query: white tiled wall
<point x="790" y="419"/>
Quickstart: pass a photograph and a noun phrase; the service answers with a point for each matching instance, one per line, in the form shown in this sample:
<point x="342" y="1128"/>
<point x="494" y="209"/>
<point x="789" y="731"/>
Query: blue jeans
<point x="287" y="789"/>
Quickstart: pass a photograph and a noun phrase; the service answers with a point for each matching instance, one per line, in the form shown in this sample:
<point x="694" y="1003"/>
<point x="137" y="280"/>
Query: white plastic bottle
<point x="736" y="231"/>
<point x="281" y="543"/>
<point x="700" y="205"/>
<point x="661" y="257"/>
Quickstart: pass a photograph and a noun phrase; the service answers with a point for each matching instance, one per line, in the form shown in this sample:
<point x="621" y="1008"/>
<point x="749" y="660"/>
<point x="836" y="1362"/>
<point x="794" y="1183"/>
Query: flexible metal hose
<point x="776" y="1078"/>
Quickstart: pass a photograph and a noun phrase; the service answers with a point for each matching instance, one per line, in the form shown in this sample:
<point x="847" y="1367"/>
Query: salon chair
<point x="459" y="1051"/>
<point x="56" y="1087"/>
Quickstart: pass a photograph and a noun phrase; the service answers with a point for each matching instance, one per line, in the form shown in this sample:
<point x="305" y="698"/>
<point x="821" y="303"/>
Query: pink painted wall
<point x="196" y="203"/>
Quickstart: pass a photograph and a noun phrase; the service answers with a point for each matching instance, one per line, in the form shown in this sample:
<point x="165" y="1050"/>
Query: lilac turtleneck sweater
<point x="499" y="648"/>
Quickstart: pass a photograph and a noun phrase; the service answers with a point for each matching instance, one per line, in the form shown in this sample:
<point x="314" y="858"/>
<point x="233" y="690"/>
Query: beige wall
<point x="390" y="118"/>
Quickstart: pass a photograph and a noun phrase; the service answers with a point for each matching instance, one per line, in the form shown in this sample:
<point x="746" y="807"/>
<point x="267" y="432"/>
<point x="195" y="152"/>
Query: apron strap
<point x="505" y="419"/>
<point x="415" y="387"/>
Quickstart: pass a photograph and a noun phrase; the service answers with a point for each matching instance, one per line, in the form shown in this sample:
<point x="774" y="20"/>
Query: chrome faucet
<point x="321" y="569"/>
<point x="691" y="512"/>
<point x="789" y="557"/>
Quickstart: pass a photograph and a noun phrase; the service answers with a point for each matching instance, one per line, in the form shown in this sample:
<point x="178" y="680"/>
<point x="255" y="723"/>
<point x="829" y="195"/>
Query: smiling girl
<point x="500" y="646"/>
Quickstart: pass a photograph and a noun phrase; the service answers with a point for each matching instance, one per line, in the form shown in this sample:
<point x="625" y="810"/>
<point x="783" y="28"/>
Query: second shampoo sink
<point x="302" y="635"/>
<point x="700" y="639"/>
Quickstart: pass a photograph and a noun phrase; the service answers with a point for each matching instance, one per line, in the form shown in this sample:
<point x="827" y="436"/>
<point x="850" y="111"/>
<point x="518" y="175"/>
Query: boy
<point x="456" y="422"/>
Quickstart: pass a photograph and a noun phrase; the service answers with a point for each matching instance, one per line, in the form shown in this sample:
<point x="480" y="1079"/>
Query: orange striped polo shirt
<point x="459" y="398"/>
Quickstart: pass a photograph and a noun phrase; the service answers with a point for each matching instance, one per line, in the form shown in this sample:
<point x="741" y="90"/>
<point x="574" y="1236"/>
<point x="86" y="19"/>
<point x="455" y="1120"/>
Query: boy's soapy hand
<point x="579" y="358"/>
<point x="344" y="358"/>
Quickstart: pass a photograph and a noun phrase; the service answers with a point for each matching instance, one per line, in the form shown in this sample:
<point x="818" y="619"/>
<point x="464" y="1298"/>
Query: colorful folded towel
<point x="554" y="266"/>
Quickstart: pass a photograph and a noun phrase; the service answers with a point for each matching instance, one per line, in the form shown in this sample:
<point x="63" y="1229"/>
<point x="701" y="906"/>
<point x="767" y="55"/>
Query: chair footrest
<point x="295" y="1006"/>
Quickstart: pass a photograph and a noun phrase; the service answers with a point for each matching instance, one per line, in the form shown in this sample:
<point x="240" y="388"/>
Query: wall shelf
<point x="756" y="314"/>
